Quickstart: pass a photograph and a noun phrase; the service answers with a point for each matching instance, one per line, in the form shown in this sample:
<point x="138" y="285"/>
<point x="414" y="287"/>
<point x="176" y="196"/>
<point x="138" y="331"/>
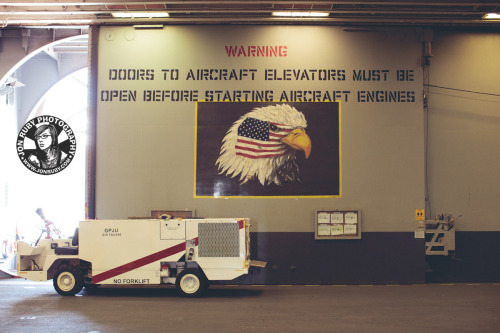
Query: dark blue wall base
<point x="477" y="259"/>
<point x="376" y="258"/>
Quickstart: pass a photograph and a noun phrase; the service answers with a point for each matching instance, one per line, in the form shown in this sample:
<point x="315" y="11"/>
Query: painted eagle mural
<point x="262" y="145"/>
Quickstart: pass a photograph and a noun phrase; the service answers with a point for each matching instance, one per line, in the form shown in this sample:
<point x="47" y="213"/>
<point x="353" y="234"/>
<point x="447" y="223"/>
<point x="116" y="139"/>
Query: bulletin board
<point x="338" y="224"/>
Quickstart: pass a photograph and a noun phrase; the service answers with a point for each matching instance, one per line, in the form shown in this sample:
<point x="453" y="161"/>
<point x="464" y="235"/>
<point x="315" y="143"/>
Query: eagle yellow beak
<point x="298" y="139"/>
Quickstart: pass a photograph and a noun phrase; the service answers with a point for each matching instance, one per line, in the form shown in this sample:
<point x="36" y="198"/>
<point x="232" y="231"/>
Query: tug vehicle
<point x="186" y="252"/>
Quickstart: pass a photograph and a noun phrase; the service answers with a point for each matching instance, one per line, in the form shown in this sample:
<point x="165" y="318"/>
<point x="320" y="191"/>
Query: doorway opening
<point x="23" y="193"/>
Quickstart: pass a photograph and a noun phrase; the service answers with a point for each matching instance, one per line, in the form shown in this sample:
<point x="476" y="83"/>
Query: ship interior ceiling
<point x="414" y="108"/>
<point x="355" y="13"/>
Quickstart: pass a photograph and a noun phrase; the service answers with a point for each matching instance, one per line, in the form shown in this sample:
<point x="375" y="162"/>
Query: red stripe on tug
<point x="147" y="259"/>
<point x="141" y="262"/>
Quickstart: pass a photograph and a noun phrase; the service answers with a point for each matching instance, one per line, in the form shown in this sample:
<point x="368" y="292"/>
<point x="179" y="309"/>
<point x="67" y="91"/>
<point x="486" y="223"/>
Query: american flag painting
<point x="261" y="139"/>
<point x="267" y="149"/>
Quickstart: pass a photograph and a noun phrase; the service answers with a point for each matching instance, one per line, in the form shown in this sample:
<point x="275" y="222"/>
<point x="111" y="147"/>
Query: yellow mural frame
<point x="270" y="196"/>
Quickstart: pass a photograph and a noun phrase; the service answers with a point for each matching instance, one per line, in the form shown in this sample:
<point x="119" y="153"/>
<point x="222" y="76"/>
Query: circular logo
<point x="46" y="145"/>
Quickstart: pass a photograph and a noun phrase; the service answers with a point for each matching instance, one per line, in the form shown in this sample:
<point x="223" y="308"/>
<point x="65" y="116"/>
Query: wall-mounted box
<point x="338" y="224"/>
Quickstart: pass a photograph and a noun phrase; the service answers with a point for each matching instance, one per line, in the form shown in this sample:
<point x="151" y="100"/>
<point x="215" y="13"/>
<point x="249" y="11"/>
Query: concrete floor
<point x="27" y="306"/>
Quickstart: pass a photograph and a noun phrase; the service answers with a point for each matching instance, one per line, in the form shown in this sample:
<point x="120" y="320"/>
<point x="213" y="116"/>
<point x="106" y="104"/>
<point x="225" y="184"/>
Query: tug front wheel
<point x="68" y="281"/>
<point x="191" y="283"/>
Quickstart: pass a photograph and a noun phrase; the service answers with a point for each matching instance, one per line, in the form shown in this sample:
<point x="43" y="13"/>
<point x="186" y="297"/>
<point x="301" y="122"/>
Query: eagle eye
<point x="273" y="127"/>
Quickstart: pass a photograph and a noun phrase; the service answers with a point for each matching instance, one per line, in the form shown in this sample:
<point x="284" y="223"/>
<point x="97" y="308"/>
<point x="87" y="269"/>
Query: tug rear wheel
<point x="191" y="283"/>
<point x="68" y="281"/>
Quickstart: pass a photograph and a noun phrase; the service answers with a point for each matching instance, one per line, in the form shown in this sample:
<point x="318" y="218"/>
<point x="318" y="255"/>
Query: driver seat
<point x="69" y="250"/>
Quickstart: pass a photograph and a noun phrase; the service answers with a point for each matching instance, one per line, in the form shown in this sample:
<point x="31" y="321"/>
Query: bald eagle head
<point x="262" y="145"/>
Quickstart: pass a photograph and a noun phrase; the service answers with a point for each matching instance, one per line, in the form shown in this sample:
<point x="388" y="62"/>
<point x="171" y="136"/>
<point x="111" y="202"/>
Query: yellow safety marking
<point x="366" y="285"/>
<point x="473" y="284"/>
<point x="312" y="285"/>
<point x="447" y="284"/>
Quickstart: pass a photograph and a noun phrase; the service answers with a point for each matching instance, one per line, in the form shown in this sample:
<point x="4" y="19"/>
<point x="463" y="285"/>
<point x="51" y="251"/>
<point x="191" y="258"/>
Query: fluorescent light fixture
<point x="301" y="14"/>
<point x="492" y="16"/>
<point x="139" y="14"/>
<point x="149" y="26"/>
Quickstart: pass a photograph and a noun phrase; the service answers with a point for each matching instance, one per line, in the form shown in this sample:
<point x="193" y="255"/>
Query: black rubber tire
<point x="191" y="283"/>
<point x="68" y="280"/>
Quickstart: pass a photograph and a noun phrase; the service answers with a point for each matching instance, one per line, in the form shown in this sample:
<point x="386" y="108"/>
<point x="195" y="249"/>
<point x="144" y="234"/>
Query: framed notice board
<point x="338" y="224"/>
